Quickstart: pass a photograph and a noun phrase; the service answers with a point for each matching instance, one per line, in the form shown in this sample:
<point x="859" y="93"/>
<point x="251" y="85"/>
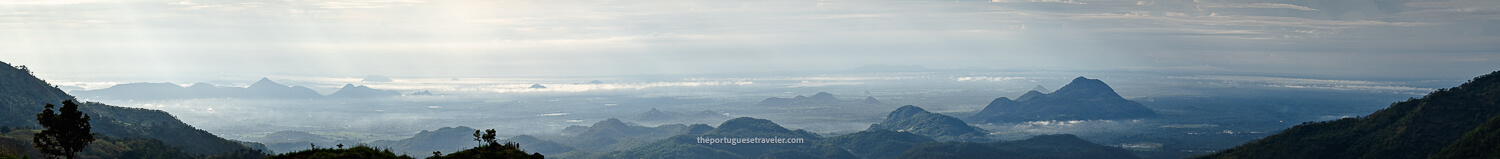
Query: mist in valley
<point x="1199" y="113"/>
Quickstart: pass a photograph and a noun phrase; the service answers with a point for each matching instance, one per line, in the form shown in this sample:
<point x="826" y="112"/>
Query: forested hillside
<point x="1415" y="128"/>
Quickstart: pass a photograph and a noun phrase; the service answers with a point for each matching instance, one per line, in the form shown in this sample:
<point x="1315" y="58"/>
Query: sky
<point x="1344" y="38"/>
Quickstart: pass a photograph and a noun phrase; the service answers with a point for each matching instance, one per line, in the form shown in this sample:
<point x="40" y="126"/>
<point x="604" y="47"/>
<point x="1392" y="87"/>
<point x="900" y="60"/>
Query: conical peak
<point x="1086" y="88"/>
<point x="201" y="85"/>
<point x="653" y="111"/>
<point x="1002" y="99"/>
<point x="611" y="122"/>
<point x="266" y="82"/>
<point x="1039" y="88"/>
<point x="1030" y="95"/>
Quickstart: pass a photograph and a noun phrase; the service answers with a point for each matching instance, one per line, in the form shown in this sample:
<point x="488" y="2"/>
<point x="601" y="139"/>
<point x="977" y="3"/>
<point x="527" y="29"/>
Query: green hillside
<point x="1415" y="128"/>
<point x="22" y="96"/>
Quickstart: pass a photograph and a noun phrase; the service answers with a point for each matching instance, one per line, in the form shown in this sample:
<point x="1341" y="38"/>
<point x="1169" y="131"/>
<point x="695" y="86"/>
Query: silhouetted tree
<point x="489" y="136"/>
<point x="67" y="131"/>
<point x="478" y="138"/>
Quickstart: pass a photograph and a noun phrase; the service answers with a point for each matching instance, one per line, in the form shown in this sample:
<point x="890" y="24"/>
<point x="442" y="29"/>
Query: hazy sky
<point x="1358" y="38"/>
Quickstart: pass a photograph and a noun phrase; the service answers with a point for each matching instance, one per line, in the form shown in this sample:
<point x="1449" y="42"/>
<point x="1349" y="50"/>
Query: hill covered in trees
<point x="878" y="143"/>
<point x="1081" y="99"/>
<point x="915" y="120"/>
<point x="22" y="96"/>
<point x="1455" y="118"/>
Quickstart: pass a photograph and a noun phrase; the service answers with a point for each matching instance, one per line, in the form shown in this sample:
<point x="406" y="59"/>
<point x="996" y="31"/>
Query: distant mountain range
<point x="1081" y="99"/>
<point x="22" y="96"/>
<point x="612" y="134"/>
<point x="658" y="115"/>
<point x="351" y="91"/>
<point x="819" y="99"/>
<point x="870" y="144"/>
<point x="262" y="89"/>
<point x="1457" y="122"/>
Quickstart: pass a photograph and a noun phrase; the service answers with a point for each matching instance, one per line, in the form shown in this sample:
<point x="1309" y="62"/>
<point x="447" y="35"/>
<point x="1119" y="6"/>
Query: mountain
<point x="878" y="143"/>
<point x="871" y="100"/>
<point x="141" y="91"/>
<point x="376" y="78"/>
<point x="351" y="91"/>
<point x="792" y="144"/>
<point x="22" y="96"/>
<point x="1045" y="146"/>
<point x="446" y="139"/>
<point x="657" y="115"/>
<point x="1082" y="99"/>
<point x="422" y="93"/>
<point x="613" y="134"/>
<point x="915" y="120"/>
<point x="1415" y="128"/>
<point x="264" y="88"/>
<point x="537" y="86"/>
<point x="819" y="99"/>
<point x="1041" y="89"/>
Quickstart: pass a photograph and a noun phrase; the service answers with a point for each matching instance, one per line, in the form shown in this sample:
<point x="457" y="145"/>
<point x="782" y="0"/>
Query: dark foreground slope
<point x="22" y="96"/>
<point x="1415" y="128"/>
<point x="1482" y="142"/>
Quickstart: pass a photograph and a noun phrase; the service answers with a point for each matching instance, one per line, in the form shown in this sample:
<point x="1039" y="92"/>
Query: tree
<point x="487" y="137"/>
<point x="67" y="131"/>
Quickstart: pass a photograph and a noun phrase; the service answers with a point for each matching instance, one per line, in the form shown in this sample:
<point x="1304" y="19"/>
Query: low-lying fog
<point x="512" y="107"/>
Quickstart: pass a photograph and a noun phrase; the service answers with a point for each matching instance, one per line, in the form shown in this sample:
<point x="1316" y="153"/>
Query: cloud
<point x="1256" y="5"/>
<point x="1308" y="83"/>
<point x="669" y="36"/>
<point x="47" y="2"/>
